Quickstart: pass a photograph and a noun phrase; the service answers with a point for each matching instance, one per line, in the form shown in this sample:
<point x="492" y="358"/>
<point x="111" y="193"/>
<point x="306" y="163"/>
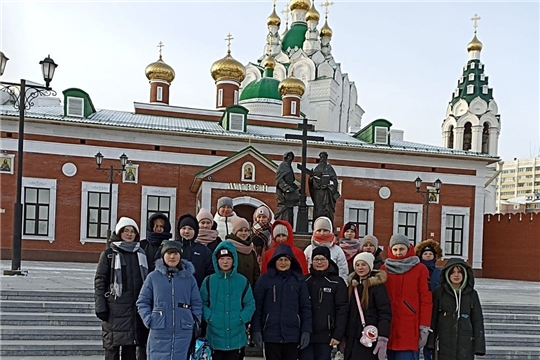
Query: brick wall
<point x="512" y="246"/>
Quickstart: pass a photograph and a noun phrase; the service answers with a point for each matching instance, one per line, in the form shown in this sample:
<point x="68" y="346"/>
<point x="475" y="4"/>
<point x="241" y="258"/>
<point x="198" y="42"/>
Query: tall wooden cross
<point x="326" y="5"/>
<point x="228" y="39"/>
<point x="302" y="220"/>
<point x="475" y="19"/>
<point x="160" y="46"/>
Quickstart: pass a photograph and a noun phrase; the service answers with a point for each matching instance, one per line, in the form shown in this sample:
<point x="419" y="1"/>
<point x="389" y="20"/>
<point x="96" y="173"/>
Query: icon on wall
<point x="6" y="163"/>
<point x="131" y="175"/>
<point x="248" y="172"/>
<point x="432" y="195"/>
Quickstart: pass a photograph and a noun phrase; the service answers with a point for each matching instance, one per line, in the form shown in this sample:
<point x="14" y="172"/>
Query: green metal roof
<point x="265" y="88"/>
<point x="295" y="36"/>
<point x="476" y="82"/>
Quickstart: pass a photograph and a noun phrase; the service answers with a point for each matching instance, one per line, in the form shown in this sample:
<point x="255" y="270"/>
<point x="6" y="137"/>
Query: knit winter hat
<point x="238" y="223"/>
<point x="261" y="210"/>
<point x="223" y="252"/>
<point x="399" y="239"/>
<point x="322" y="223"/>
<point x="430" y="249"/>
<point x="350" y="226"/>
<point x="123" y="222"/>
<point x="280" y="229"/>
<point x="188" y="221"/>
<point x="171" y="245"/>
<point x="222" y="201"/>
<point x="204" y="214"/>
<point x="371" y="239"/>
<point x="321" y="250"/>
<point x="368" y="258"/>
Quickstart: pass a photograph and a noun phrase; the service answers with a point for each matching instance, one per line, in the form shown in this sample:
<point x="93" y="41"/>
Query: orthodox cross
<point x="326" y="5"/>
<point x="228" y="39"/>
<point x="302" y="221"/>
<point x="160" y="46"/>
<point x="286" y="12"/>
<point x="475" y="19"/>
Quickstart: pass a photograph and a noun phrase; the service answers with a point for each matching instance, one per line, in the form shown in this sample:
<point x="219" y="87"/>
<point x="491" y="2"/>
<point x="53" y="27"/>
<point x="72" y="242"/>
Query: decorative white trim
<point x="456" y="210"/>
<point x="135" y="169"/>
<point x="159" y="93"/>
<point x="244" y="168"/>
<point x="417" y="208"/>
<point x="220" y="97"/>
<point x="157" y="191"/>
<point x="42" y="184"/>
<point x="235" y="98"/>
<point x="363" y="205"/>
<point x="248" y="200"/>
<point x="206" y="194"/>
<point x="470" y="89"/>
<point x="293" y="107"/>
<point x="101" y="188"/>
<point x="10" y="161"/>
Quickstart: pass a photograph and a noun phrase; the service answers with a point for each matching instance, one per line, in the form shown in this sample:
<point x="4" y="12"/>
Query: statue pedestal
<point x="302" y="240"/>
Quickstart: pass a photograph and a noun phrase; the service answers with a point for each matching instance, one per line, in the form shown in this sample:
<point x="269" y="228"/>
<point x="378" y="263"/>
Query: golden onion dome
<point x="228" y="69"/>
<point x="159" y="70"/>
<point x="291" y="86"/>
<point x="475" y="44"/>
<point x="325" y="30"/>
<point x="313" y="14"/>
<point x="268" y="62"/>
<point x="299" y="5"/>
<point x="273" y="19"/>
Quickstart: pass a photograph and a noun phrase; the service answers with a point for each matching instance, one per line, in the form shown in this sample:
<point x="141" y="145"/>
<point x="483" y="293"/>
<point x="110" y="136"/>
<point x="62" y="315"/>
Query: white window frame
<point x="378" y="129"/>
<point x="235" y="97"/>
<point x="73" y="98"/>
<point x="456" y="92"/>
<point x="49" y="184"/>
<point x="230" y="122"/>
<point x="159" y="93"/>
<point x="485" y="89"/>
<point x="157" y="191"/>
<point x="87" y="187"/>
<point x="293" y="107"/>
<point x="220" y="97"/>
<point x="470" y="89"/>
<point x="362" y="205"/>
<point x="472" y="65"/>
<point x="456" y="210"/>
<point x="417" y="208"/>
<point x="471" y="77"/>
<point x="482" y="77"/>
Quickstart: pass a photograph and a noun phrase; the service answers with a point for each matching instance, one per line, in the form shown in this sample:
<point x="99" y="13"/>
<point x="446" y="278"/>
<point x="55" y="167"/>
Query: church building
<point x="181" y="159"/>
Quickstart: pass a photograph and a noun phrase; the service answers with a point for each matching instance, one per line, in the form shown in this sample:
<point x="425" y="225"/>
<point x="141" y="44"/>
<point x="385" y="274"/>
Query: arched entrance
<point x="245" y="211"/>
<point x="244" y="206"/>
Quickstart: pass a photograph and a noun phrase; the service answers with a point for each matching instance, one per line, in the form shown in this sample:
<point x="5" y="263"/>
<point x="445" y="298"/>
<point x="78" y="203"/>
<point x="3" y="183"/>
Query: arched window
<point x="485" y="139"/>
<point x="451" y="138"/>
<point x="467" y="136"/>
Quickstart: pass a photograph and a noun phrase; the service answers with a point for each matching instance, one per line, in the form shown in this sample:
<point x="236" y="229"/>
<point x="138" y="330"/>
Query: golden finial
<point x="228" y="39"/>
<point x="475" y="19"/>
<point x="326" y="5"/>
<point x="160" y="46"/>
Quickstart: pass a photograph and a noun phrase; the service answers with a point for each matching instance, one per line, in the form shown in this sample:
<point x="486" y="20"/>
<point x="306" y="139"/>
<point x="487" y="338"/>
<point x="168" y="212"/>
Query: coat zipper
<point x="409" y="306"/>
<point x="173" y="318"/>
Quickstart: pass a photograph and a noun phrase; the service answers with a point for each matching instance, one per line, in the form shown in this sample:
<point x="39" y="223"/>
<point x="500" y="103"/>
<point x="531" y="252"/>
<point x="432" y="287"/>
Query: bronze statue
<point x="286" y="189"/>
<point x="323" y="188"/>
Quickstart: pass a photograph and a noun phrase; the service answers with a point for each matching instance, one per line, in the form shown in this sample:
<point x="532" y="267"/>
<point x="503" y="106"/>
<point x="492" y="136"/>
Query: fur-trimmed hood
<point x="187" y="268"/>
<point x="432" y="244"/>
<point x="376" y="278"/>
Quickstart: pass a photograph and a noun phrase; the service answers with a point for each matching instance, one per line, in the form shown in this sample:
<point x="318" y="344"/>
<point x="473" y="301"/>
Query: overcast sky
<point x="405" y="57"/>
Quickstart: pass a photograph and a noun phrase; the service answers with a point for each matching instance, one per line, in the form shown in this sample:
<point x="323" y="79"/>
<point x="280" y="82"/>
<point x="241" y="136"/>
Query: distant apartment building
<point x="520" y="179"/>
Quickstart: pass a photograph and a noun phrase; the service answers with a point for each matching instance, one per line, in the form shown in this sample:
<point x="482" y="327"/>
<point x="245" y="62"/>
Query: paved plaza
<point x="80" y="277"/>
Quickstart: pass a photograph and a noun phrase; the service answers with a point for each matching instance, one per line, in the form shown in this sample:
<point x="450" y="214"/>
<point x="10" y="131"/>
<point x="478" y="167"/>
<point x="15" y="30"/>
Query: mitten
<point x="380" y="348"/>
<point x="103" y="316"/>
<point x="257" y="339"/>
<point x="304" y="340"/>
<point x="423" y="336"/>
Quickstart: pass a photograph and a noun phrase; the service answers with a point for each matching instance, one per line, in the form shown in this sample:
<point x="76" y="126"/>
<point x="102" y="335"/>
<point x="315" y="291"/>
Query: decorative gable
<point x="376" y="132"/>
<point x="234" y="118"/>
<point x="77" y="103"/>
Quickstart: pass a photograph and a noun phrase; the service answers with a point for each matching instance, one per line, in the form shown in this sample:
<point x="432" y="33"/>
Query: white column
<point x="476" y="141"/>
<point x="458" y="138"/>
<point x="493" y="141"/>
<point x="478" y="227"/>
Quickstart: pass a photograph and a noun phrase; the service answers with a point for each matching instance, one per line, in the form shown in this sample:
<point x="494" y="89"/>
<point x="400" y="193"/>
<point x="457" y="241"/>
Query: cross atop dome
<point x="326" y="5"/>
<point x="475" y="19"/>
<point x="228" y="39"/>
<point x="160" y="46"/>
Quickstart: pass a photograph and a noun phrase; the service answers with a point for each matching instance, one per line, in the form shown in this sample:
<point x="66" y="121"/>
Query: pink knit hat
<point x="261" y="210"/>
<point x="238" y="223"/>
<point x="204" y="214"/>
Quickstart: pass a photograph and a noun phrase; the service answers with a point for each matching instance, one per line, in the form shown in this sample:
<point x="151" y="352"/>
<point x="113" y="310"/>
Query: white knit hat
<point x="322" y="222"/>
<point x="368" y="258"/>
<point x="123" y="222"/>
<point x="280" y="229"/>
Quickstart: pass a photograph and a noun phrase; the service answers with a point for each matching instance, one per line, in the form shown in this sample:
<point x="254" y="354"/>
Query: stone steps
<point x="49" y="319"/>
<point x="512" y="318"/>
<point x="17" y="332"/>
<point x="519" y="340"/>
<point x="47" y="306"/>
<point x="51" y="347"/>
<point x="503" y="328"/>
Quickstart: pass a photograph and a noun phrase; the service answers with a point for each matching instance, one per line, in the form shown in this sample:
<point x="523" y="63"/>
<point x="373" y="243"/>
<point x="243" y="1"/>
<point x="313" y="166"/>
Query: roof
<point x="476" y="68"/>
<point x="263" y="88"/>
<point x="125" y="119"/>
<point x="294" y="37"/>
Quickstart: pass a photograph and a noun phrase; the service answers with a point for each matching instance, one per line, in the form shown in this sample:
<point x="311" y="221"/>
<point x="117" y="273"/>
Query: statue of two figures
<point x="323" y="188"/>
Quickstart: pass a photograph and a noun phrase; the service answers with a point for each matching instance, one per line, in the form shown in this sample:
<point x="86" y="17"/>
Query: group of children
<point x="227" y="280"/>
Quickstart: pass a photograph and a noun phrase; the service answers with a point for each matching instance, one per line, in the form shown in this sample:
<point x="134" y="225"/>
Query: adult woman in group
<point x="120" y="273"/>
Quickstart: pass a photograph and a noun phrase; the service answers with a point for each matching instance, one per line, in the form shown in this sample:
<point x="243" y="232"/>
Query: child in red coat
<point x="282" y="234"/>
<point x="410" y="299"/>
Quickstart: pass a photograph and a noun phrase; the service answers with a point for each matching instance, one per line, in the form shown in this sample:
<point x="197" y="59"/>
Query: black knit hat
<point x="321" y="250"/>
<point x="171" y="245"/>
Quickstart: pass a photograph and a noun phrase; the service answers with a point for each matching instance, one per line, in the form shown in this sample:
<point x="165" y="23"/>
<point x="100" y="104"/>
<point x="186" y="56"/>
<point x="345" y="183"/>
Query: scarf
<point x="323" y="240"/>
<point x="206" y="236"/>
<point x="243" y="247"/>
<point x="123" y="246"/>
<point x="350" y="247"/>
<point x="401" y="266"/>
<point x="263" y="232"/>
<point x="155" y="238"/>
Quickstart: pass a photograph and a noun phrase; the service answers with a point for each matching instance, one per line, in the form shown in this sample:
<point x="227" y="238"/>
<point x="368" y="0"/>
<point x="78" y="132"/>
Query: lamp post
<point x="23" y="95"/>
<point x="111" y="169"/>
<point x="426" y="193"/>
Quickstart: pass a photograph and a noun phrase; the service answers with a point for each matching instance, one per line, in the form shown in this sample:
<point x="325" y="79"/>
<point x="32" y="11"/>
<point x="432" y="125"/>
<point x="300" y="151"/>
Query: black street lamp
<point x="111" y="169"/>
<point x="23" y="96"/>
<point x="426" y="194"/>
